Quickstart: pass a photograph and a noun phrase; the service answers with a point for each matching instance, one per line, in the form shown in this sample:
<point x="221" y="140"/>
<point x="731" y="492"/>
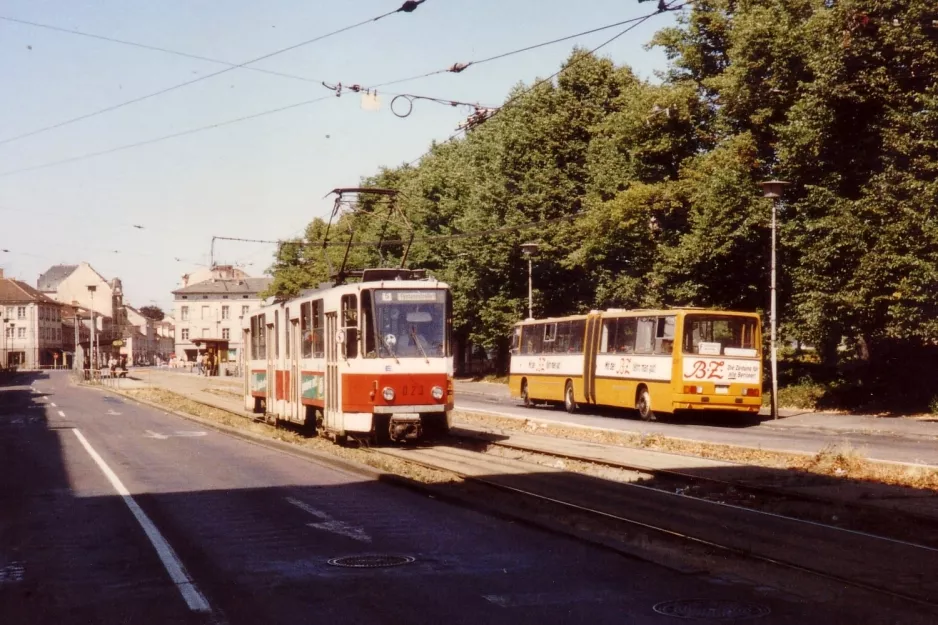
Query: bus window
<point x="607" y="340"/>
<point x="577" y="330"/>
<point x="550" y="334"/>
<point x="515" y="340"/>
<point x="625" y="335"/>
<point x="562" y="338"/>
<point x="715" y="335"/>
<point x="350" y="325"/>
<point x="664" y="337"/>
<point x="645" y="335"/>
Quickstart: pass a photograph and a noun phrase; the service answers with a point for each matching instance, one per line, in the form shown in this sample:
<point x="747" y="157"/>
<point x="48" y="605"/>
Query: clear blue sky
<point x="263" y="178"/>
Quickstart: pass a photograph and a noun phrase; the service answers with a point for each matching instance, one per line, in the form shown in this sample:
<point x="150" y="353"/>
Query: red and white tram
<point x="370" y="360"/>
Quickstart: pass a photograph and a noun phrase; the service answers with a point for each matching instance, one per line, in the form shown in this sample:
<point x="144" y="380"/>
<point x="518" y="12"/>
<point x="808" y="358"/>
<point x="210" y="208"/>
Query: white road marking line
<point x="52" y="403"/>
<point x="152" y="434"/>
<point x="329" y="524"/>
<point x="12" y="573"/>
<point x="61" y="414"/>
<point x="171" y="562"/>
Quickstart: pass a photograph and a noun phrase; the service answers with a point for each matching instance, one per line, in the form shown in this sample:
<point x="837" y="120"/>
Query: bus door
<point x="332" y="415"/>
<point x="271" y="371"/>
<point x="594" y="329"/>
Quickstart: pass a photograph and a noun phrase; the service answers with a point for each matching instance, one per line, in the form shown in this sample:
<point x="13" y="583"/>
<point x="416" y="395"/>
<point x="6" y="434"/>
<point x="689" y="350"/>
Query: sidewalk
<point x="825" y="421"/>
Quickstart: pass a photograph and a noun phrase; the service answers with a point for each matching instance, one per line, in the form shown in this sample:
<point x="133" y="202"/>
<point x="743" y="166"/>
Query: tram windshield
<point x="411" y="323"/>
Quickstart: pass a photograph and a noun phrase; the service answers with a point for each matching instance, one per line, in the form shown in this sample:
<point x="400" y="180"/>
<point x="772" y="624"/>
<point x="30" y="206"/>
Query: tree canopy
<point x="645" y="193"/>
<point x="152" y="312"/>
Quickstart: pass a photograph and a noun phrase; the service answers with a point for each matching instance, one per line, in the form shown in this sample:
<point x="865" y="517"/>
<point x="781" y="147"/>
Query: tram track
<point x="896" y="568"/>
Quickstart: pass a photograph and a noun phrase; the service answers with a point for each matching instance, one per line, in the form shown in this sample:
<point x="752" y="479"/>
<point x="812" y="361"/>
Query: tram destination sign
<point x="413" y="297"/>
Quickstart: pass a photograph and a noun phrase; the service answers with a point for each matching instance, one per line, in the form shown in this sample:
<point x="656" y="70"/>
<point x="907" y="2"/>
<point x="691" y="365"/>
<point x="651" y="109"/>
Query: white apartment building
<point x="213" y="309"/>
<point x="31" y="334"/>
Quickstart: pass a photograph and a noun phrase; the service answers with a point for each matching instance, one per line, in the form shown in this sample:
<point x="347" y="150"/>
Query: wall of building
<point x="32" y="336"/>
<point x="74" y="289"/>
<point x="204" y="316"/>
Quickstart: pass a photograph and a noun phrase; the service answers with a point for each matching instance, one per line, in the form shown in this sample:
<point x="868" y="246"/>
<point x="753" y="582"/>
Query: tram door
<point x="296" y="384"/>
<point x="271" y="371"/>
<point x="332" y="417"/>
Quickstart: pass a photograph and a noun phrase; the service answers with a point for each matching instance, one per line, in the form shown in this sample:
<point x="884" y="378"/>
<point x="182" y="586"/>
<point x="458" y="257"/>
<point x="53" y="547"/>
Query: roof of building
<point x="50" y="280"/>
<point x="17" y="292"/>
<point x="246" y="286"/>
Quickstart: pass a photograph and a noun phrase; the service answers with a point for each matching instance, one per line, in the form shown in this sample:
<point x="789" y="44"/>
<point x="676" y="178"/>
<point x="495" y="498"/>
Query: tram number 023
<point x="412" y="390"/>
<point x="704" y="370"/>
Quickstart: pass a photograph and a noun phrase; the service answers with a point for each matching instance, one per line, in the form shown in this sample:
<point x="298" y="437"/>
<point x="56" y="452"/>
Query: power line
<point x="457" y="68"/>
<point x="407" y="7"/>
<point x="156" y="49"/>
<point x="635" y="23"/>
<point x="175" y="135"/>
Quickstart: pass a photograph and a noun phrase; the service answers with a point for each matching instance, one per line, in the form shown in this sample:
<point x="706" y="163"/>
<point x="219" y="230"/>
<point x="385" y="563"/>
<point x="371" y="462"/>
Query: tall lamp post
<point x="91" y="289"/>
<point x="530" y="250"/>
<point x="773" y="189"/>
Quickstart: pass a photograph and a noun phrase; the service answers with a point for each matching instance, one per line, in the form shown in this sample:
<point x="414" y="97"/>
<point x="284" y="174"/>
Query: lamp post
<point x="773" y="189"/>
<point x="529" y="250"/>
<point x="91" y="289"/>
<point x="75" y="364"/>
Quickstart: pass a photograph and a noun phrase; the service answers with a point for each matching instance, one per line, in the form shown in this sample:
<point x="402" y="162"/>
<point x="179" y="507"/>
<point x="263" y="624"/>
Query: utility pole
<point x="773" y="189"/>
<point x="529" y="250"/>
<point x="5" y="353"/>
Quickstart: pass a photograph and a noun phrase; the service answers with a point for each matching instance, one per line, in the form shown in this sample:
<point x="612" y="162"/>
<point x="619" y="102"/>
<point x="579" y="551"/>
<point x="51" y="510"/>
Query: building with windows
<point x="31" y="330"/>
<point x="213" y="309"/>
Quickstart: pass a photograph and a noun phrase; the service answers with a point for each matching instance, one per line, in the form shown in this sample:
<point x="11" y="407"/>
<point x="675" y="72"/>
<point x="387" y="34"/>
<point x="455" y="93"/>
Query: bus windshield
<point x="411" y="323"/>
<point x="721" y="335"/>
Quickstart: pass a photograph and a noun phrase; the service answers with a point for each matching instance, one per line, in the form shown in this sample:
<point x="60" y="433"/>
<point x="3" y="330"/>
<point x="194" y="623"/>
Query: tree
<point x="153" y="312"/>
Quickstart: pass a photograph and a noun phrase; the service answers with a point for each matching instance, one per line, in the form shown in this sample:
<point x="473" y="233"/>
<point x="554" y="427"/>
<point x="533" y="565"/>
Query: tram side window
<point x="319" y="330"/>
<point x="350" y="325"/>
<point x="286" y="330"/>
<point x="259" y="337"/>
<point x="252" y="355"/>
<point x="306" y="329"/>
<point x="276" y="334"/>
<point x="645" y="335"/>
<point x="368" y="326"/>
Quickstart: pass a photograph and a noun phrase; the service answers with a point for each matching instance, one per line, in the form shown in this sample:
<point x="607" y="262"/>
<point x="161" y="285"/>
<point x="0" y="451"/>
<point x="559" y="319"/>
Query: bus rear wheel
<point x="643" y="405"/>
<point x="569" y="399"/>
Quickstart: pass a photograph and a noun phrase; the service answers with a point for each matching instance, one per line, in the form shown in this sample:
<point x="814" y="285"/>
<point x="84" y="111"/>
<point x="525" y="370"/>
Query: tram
<point x="364" y="360"/>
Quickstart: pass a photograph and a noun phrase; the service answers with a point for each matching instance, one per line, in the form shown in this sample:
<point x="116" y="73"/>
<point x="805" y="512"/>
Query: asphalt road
<point x="117" y="513"/>
<point x="748" y="432"/>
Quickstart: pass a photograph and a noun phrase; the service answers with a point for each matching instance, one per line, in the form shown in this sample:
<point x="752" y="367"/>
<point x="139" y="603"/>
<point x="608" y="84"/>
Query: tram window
<point x="261" y="353"/>
<point x="350" y="325"/>
<point x="306" y="329"/>
<point x="368" y="326"/>
<point x="645" y="335"/>
<point x="319" y="330"/>
<point x="276" y="334"/>
<point x="286" y="329"/>
<point x="253" y="331"/>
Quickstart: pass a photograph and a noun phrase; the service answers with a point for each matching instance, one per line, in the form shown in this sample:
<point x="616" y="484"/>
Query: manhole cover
<point x="370" y="561"/>
<point x="711" y="609"/>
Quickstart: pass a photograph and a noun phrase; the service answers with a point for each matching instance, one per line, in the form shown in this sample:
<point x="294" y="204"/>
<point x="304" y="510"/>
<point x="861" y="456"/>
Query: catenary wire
<point x="412" y="4"/>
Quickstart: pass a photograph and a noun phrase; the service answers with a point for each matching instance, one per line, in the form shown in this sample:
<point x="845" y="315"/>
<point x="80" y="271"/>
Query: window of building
<point x="225" y="333"/>
<point x="205" y="312"/>
<point x="244" y="297"/>
<point x="224" y="297"/>
<point x="10" y="331"/>
<point x="205" y="297"/>
<point x="185" y="297"/>
<point x="21" y="312"/>
<point x="226" y="312"/>
<point x="21" y="333"/>
<point x="185" y="334"/>
<point x="244" y="310"/>
<point x="9" y="314"/>
<point x="184" y="314"/>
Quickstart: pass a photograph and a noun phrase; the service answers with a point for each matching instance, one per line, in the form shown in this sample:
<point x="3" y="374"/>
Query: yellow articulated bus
<point x="655" y="361"/>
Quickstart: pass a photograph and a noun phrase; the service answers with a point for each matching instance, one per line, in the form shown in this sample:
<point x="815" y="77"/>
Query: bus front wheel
<point x="569" y="400"/>
<point x="643" y="405"/>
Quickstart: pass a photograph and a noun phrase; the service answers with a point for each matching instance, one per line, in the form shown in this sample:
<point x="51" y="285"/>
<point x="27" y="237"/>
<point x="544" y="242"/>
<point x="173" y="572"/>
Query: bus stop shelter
<point x="217" y="347"/>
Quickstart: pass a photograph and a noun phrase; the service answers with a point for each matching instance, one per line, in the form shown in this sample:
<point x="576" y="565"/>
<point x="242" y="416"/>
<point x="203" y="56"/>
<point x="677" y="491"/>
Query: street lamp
<point x="91" y="289"/>
<point x="773" y="189"/>
<point x="530" y="250"/>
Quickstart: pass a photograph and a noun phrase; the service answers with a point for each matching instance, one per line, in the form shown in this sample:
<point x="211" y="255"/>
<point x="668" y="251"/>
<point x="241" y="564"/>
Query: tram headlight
<point x="437" y="393"/>
<point x="388" y="393"/>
